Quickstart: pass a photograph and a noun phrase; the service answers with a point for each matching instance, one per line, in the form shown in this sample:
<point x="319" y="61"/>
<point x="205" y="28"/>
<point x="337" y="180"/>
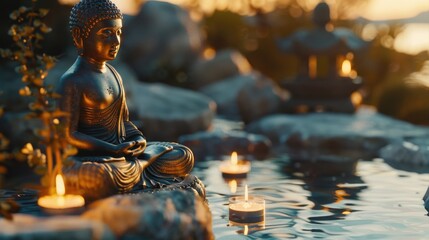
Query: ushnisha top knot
<point x="86" y="13"/>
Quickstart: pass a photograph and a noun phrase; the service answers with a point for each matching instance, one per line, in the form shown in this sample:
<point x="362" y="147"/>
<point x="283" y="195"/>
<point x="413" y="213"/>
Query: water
<point x="377" y="202"/>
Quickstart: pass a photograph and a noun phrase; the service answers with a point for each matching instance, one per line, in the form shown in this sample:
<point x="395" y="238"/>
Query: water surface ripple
<point x="379" y="201"/>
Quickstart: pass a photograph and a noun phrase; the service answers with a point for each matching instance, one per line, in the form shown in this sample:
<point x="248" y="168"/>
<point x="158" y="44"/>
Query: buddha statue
<point x="113" y="155"/>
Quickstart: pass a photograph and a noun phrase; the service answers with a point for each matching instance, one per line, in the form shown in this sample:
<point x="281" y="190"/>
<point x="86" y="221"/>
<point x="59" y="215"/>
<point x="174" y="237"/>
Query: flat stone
<point x="363" y="133"/>
<point x="219" y="143"/>
<point x="25" y="226"/>
<point x="161" y="215"/>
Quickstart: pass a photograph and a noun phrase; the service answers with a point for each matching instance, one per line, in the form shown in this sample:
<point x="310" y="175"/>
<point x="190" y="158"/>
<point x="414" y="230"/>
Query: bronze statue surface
<point x="113" y="154"/>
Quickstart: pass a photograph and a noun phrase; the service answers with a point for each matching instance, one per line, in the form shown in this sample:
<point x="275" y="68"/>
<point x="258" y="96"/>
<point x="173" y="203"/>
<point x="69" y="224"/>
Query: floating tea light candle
<point x="60" y="200"/>
<point x="234" y="167"/>
<point x="247" y="209"/>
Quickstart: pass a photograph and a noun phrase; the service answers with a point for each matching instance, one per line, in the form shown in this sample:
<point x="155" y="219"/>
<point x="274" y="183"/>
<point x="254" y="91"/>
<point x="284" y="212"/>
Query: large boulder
<point x="225" y="64"/>
<point x="260" y="98"/>
<point x="245" y="97"/>
<point x="161" y="215"/>
<point x="161" y="42"/>
<point x="407" y="100"/>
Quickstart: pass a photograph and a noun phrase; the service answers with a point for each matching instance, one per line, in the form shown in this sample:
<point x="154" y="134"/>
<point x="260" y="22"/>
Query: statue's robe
<point x="99" y="174"/>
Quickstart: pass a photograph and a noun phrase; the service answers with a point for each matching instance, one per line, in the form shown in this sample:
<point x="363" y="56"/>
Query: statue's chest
<point x="101" y="91"/>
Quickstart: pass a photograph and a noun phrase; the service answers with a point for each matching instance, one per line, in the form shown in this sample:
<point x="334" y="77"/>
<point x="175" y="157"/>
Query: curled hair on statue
<point x="86" y="13"/>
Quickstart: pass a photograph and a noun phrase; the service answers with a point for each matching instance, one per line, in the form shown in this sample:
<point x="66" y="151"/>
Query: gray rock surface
<point x="30" y="227"/>
<point x="174" y="214"/>
<point x="225" y="64"/>
<point x="164" y="112"/>
<point x="245" y="97"/>
<point x="163" y="40"/>
<point x="412" y="153"/>
<point x="363" y="134"/>
<point x="260" y="98"/>
<point x="161" y="215"/>
<point x="219" y="143"/>
<point x="225" y="93"/>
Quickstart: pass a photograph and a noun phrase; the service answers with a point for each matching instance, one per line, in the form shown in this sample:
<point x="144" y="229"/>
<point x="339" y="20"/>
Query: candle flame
<point x="246" y="230"/>
<point x="246" y="194"/>
<point x="346" y="67"/>
<point x="60" y="185"/>
<point x="234" y="158"/>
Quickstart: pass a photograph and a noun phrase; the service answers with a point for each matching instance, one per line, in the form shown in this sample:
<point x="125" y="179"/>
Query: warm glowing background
<point x="413" y="39"/>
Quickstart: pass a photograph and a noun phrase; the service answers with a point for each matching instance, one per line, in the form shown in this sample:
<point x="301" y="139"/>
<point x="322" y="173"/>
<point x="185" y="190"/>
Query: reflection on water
<point x="378" y="202"/>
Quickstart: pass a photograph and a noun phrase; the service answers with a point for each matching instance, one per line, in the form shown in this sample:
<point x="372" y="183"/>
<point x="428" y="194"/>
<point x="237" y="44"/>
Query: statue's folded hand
<point x="124" y="149"/>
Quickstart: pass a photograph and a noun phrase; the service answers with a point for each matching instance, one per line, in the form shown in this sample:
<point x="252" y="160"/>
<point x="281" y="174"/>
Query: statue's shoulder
<point x="72" y="78"/>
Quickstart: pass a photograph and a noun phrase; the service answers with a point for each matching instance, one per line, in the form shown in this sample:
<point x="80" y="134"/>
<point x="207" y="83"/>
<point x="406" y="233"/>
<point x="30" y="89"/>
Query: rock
<point x="407" y="153"/>
<point x="363" y="133"/>
<point x="225" y="64"/>
<point x="161" y="215"/>
<point x="426" y="200"/>
<point x="161" y="42"/>
<point x="219" y="143"/>
<point x="314" y="164"/>
<point x="245" y="97"/>
<point x="164" y="112"/>
<point x="26" y="226"/>
<point x="407" y="99"/>
<point x="261" y="98"/>
<point x="225" y="92"/>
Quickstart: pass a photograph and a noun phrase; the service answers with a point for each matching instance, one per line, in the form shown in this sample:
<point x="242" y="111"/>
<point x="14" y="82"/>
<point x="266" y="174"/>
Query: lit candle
<point x="247" y="209"/>
<point x="60" y="200"/>
<point x="234" y="167"/>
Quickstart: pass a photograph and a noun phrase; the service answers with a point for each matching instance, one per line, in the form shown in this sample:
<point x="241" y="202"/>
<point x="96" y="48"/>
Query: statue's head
<point x="96" y="27"/>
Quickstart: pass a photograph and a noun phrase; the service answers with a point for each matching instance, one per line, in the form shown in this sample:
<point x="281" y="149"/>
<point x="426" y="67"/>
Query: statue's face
<point x="104" y="40"/>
